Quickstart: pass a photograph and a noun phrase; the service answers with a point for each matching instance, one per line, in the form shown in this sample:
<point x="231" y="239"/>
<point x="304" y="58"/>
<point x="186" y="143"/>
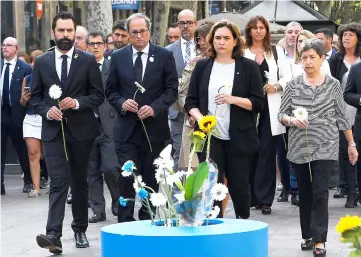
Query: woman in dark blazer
<point x="230" y="87"/>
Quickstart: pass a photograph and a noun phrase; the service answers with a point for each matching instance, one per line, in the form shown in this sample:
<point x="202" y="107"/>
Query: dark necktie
<point x="64" y="70"/>
<point x="6" y="91"/>
<point x="100" y="66"/>
<point x="138" y="68"/>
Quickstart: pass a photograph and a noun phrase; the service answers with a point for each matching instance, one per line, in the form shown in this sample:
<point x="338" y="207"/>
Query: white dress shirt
<point x="144" y="57"/>
<point x="11" y="71"/>
<point x="329" y="54"/>
<point x="101" y="64"/>
<point x="184" y="46"/>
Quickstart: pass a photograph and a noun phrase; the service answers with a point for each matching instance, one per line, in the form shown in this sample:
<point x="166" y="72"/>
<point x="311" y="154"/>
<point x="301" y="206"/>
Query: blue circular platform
<point x="229" y="238"/>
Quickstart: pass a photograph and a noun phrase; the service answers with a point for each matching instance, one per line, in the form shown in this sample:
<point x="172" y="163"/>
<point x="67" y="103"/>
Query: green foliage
<point x="195" y="181"/>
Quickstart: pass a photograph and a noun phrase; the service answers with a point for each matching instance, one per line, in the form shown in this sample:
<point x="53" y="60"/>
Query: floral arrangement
<point x="185" y="197"/>
<point x="350" y="229"/>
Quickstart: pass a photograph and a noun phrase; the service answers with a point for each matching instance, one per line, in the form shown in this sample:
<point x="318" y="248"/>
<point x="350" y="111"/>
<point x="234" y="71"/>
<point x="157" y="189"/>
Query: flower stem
<point x="62" y="131"/>
<point x="208" y="145"/>
<point x="308" y="156"/>
<point x="191" y="157"/>
<point x="146" y="134"/>
<point x="357" y="243"/>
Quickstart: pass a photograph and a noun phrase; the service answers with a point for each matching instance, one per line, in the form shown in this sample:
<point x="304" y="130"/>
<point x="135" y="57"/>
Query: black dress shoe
<point x="340" y="193"/>
<point x="283" y="197"/>
<point x="266" y="209"/>
<point x="50" y="242"/>
<point x="27" y="188"/>
<point x="295" y="200"/>
<point x="307" y="245"/>
<point x="69" y="199"/>
<point x="80" y="240"/>
<point x="115" y="211"/>
<point x="97" y="217"/>
<point x="351" y="201"/>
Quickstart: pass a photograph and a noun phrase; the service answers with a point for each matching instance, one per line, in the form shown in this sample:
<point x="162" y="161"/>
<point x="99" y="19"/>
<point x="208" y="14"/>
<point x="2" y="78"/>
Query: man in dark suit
<point x="352" y="96"/>
<point x="183" y="50"/>
<point x="78" y="75"/>
<point x="326" y="36"/>
<point x="102" y="157"/>
<point x="154" y="68"/>
<point x="13" y="71"/>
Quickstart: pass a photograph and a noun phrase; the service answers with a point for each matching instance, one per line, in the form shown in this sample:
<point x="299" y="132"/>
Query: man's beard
<point x="119" y="45"/>
<point x="64" y="44"/>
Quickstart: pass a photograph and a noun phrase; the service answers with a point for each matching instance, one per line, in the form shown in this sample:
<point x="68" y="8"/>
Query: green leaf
<point x="355" y="254"/>
<point x="195" y="181"/>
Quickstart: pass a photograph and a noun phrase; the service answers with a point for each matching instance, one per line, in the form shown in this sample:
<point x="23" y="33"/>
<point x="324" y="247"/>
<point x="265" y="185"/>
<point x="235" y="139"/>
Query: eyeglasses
<point x="199" y="39"/>
<point x="300" y="41"/>
<point x="6" y="45"/>
<point x="183" y="23"/>
<point x="135" y="33"/>
<point x="92" y="44"/>
<point x="110" y="43"/>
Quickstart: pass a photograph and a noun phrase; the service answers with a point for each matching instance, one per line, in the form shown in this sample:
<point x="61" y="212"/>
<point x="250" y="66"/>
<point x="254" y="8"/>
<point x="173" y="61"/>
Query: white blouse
<point x="221" y="81"/>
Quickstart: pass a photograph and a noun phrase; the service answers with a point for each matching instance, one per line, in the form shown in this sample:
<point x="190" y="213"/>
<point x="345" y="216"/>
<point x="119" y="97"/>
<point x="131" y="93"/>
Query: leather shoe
<point x="283" y="197"/>
<point x="115" y="211"/>
<point x="27" y="188"/>
<point x="69" y="199"/>
<point x="295" y="200"/>
<point x="80" y="240"/>
<point x="97" y="217"/>
<point x="351" y="201"/>
<point x="50" y="242"/>
<point x="340" y="193"/>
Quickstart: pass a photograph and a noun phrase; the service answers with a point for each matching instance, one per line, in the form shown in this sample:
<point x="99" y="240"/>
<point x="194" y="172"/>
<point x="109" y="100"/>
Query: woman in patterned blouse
<point x="313" y="140"/>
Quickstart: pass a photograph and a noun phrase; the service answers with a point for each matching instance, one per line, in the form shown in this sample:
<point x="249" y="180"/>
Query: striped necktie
<point x="187" y="56"/>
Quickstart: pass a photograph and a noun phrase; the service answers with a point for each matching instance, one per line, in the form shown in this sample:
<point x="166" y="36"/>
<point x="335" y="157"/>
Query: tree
<point x="99" y="15"/>
<point x="160" y="21"/>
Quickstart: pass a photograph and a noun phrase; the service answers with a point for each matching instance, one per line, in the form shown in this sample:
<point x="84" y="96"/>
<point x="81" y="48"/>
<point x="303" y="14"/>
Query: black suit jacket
<point x="106" y="112"/>
<point x="84" y="83"/>
<point x="161" y="83"/>
<point x="247" y="83"/>
<point x="21" y="70"/>
<point x="352" y="95"/>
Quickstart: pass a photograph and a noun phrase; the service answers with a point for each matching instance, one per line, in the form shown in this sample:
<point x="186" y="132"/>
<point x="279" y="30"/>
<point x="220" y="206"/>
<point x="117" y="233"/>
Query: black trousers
<point x="60" y="170"/>
<point x="136" y="149"/>
<point x="314" y="198"/>
<point x="359" y="167"/>
<point x="9" y="128"/>
<point x="348" y="173"/>
<point x="236" y="167"/>
<point x="263" y="181"/>
<point x="103" y="161"/>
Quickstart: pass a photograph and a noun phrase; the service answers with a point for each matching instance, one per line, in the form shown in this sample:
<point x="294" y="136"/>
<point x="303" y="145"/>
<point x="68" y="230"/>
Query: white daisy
<point x="213" y="213"/>
<point x="136" y="183"/>
<point x="157" y="199"/>
<point x="300" y="113"/>
<point x="55" y="92"/>
<point x="161" y="175"/>
<point x="219" y="192"/>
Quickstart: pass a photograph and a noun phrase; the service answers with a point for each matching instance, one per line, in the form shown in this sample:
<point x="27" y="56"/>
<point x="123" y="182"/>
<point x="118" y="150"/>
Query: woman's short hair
<point x="252" y="23"/>
<point x="25" y="56"/>
<point x="315" y="44"/>
<point x="236" y="33"/>
<point x="308" y="35"/>
<point x="203" y="29"/>
<point x="355" y="28"/>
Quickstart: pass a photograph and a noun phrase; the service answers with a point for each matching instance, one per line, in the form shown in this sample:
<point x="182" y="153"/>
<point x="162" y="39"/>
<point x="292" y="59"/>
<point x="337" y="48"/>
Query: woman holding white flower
<point x="234" y="103"/>
<point x="312" y="105"/>
<point x="275" y="71"/>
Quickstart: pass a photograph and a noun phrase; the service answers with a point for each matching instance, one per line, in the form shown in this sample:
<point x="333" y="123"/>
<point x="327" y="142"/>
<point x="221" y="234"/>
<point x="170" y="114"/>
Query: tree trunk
<point x="325" y="7"/>
<point x="99" y="15"/>
<point x="160" y="21"/>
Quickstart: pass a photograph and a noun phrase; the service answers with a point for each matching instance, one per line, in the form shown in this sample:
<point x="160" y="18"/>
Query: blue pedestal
<point x="232" y="238"/>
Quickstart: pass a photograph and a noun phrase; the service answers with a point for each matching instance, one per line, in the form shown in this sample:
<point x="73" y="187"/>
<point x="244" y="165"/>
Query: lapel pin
<point x="109" y="57"/>
<point x="76" y="56"/>
<point x="237" y="72"/>
<point x="151" y="59"/>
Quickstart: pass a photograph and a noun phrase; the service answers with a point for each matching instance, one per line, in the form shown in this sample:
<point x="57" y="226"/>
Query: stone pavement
<point x="22" y="219"/>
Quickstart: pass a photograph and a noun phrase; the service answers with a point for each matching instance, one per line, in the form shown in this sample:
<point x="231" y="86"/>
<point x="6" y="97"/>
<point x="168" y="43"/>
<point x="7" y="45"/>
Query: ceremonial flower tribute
<point x="55" y="93"/>
<point x="350" y="229"/>
<point x="185" y="197"/>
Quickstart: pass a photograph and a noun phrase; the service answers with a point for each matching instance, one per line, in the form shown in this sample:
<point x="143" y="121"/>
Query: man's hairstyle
<point x="119" y="25"/>
<point x="107" y="36"/>
<point x="173" y="26"/>
<point x="291" y="24"/>
<point x="63" y="16"/>
<point x="95" y="34"/>
<point x="138" y="16"/>
<point x="326" y="31"/>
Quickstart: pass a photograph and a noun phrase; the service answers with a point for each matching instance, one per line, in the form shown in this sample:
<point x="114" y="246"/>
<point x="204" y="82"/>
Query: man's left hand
<point x="270" y="89"/>
<point x="145" y="112"/>
<point x="67" y="103"/>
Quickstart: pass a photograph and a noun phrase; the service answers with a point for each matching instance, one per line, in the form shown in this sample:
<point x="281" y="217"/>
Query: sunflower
<point x="348" y="223"/>
<point x="199" y="134"/>
<point x="207" y="123"/>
